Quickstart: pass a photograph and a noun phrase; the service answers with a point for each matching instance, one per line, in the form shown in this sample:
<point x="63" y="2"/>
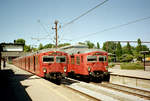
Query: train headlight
<point x="44" y="70"/>
<point x="65" y="69"/>
<point x="89" y="68"/>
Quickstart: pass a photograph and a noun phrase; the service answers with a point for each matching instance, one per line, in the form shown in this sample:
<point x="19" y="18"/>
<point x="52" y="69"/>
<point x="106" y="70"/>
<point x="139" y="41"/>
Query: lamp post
<point x="144" y="53"/>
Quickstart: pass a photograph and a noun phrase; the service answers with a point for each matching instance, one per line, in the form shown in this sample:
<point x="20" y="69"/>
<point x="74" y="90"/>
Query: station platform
<point x="134" y="78"/>
<point x="131" y="73"/>
<point x="19" y="85"/>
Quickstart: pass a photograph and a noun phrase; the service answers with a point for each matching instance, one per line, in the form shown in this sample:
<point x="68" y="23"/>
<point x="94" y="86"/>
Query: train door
<point x="78" y="67"/>
<point x="34" y="63"/>
<point x="72" y="63"/>
<point x="28" y="63"/>
<point x="37" y="69"/>
<point x="25" y="63"/>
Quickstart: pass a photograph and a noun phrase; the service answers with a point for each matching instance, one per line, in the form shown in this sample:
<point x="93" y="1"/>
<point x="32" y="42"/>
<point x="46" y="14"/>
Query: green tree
<point x="98" y="46"/>
<point x="64" y="44"/>
<point x="139" y="46"/>
<point x="19" y="41"/>
<point x="48" y="46"/>
<point x="109" y="47"/>
<point x="129" y="51"/>
<point x="40" y="46"/>
<point x="119" y="50"/>
<point x="145" y="48"/>
<point x="27" y="48"/>
<point x="90" y="44"/>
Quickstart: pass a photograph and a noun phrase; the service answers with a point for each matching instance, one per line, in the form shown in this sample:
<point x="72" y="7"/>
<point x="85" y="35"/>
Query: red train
<point x="49" y="64"/>
<point x="83" y="62"/>
<point x="88" y="63"/>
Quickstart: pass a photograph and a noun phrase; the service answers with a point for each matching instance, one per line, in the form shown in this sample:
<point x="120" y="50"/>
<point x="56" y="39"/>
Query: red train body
<point x="84" y="62"/>
<point x="88" y="63"/>
<point x="50" y="64"/>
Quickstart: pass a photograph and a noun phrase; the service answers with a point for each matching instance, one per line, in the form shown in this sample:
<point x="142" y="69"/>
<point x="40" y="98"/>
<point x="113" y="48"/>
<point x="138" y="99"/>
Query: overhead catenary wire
<point x="111" y="28"/>
<point x="70" y="22"/>
<point x="83" y="14"/>
<point x="42" y="26"/>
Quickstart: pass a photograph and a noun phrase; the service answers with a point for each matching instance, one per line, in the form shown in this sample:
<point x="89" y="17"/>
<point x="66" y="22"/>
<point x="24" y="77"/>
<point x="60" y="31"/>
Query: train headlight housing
<point x="44" y="70"/>
<point x="89" y="68"/>
<point x="65" y="69"/>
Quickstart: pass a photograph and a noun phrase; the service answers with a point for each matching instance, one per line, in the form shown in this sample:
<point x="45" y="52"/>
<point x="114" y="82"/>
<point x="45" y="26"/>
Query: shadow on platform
<point x="11" y="88"/>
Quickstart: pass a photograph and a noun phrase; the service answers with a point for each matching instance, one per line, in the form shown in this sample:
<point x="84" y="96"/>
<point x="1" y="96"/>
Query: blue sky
<point x="19" y="19"/>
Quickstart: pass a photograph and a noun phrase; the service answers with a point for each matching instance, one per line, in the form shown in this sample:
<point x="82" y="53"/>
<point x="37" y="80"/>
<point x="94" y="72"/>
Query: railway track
<point x="125" y="89"/>
<point x="106" y="91"/>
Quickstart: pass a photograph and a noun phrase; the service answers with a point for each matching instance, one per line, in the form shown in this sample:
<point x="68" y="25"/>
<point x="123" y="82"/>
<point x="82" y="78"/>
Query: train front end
<point x="54" y="65"/>
<point x="97" y="66"/>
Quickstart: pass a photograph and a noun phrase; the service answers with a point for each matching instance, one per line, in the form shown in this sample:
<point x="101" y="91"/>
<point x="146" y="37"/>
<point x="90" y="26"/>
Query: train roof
<point x="82" y="50"/>
<point x="74" y="46"/>
<point x="43" y="51"/>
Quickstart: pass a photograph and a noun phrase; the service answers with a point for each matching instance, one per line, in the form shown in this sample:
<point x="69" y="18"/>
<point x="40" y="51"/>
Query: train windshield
<point x="102" y="58"/>
<point x="91" y="58"/>
<point x="60" y="59"/>
<point x="48" y="58"/>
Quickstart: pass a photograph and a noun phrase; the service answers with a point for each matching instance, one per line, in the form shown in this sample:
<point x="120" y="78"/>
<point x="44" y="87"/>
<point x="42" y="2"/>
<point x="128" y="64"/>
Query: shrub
<point x="132" y="66"/>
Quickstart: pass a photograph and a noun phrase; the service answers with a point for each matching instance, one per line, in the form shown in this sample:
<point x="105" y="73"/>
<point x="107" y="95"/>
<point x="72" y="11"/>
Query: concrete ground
<point x="10" y="88"/>
<point x="19" y="85"/>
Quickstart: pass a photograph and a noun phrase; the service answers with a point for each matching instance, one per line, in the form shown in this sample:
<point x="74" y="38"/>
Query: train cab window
<point x="60" y="59"/>
<point x="91" y="58"/>
<point x="78" y="60"/>
<point x="48" y="59"/>
<point x="102" y="58"/>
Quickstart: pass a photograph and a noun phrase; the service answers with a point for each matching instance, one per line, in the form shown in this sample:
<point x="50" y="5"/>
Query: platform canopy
<point x="10" y="47"/>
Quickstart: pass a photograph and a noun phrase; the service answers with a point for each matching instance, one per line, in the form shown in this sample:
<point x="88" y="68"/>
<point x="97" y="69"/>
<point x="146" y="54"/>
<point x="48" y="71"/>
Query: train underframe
<point x="56" y="76"/>
<point x="99" y="75"/>
<point x="93" y="76"/>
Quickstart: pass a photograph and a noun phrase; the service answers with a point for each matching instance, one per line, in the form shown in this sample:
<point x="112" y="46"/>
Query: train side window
<point x="48" y="59"/>
<point x="91" y="58"/>
<point x="78" y="60"/>
<point x="72" y="59"/>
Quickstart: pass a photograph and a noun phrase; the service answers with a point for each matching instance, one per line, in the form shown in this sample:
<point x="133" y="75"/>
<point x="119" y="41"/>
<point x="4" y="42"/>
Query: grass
<point x="132" y="66"/>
